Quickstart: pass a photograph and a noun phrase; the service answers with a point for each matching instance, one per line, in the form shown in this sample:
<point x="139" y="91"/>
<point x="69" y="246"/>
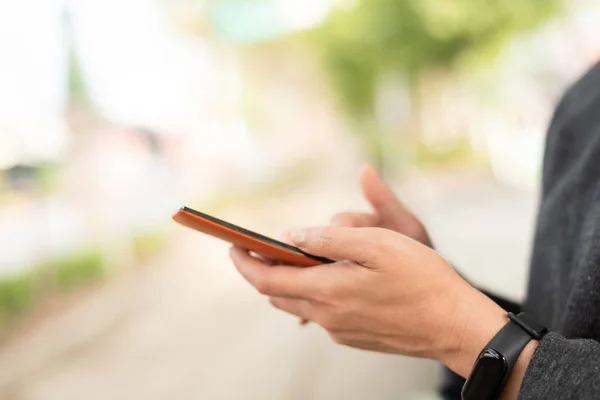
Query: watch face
<point x="487" y="377"/>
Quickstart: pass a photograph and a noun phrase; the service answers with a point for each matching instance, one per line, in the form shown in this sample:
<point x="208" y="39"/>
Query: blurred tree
<point x="363" y="41"/>
<point x="76" y="82"/>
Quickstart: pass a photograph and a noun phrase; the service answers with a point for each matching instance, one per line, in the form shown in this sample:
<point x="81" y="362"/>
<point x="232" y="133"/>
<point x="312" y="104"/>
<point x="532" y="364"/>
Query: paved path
<point x="188" y="327"/>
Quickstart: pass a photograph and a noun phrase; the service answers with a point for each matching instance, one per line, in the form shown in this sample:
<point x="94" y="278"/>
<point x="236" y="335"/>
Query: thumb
<point x="380" y="196"/>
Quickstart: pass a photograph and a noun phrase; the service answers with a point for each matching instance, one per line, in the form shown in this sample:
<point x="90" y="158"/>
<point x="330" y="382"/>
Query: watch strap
<point x="536" y="330"/>
<point x="508" y="344"/>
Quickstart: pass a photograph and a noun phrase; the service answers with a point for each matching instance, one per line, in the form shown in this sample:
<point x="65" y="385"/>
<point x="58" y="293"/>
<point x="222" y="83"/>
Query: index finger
<point x="366" y="246"/>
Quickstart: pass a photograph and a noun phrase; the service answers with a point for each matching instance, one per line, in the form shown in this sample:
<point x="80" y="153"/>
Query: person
<point x="391" y="292"/>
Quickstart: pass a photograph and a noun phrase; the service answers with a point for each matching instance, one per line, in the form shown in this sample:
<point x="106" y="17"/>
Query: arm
<point x="552" y="368"/>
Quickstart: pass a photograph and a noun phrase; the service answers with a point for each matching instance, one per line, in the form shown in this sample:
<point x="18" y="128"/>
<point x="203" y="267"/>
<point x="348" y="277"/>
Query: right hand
<point x="388" y="211"/>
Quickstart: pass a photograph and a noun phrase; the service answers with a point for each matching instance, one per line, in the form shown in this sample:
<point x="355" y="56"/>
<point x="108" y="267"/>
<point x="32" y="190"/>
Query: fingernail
<point x="298" y="237"/>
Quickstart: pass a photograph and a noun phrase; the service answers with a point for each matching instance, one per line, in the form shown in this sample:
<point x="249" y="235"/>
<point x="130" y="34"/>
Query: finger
<point x="298" y="307"/>
<point x="366" y="246"/>
<point x="265" y="259"/>
<point x="285" y="237"/>
<point x="354" y="219"/>
<point x="379" y="195"/>
<point x="281" y="281"/>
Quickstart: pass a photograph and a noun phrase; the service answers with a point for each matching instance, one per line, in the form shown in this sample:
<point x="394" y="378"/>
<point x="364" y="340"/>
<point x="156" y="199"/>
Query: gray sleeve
<point x="563" y="369"/>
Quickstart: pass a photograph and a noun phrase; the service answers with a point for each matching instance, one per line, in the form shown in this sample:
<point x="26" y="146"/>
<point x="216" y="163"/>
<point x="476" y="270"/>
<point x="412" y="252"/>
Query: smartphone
<point x="246" y="239"/>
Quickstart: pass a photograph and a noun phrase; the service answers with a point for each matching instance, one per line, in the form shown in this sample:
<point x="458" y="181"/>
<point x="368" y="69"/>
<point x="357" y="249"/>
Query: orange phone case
<point x="246" y="239"/>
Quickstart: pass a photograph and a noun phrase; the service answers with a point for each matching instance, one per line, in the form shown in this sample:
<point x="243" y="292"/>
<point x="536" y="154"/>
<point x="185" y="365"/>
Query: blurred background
<point x="114" y="113"/>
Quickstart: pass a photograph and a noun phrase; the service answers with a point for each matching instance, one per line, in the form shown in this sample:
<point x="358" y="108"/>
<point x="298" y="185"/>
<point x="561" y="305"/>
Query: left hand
<point x="387" y="293"/>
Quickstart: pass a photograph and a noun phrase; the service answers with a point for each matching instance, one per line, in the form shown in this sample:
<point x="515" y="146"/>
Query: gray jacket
<point x="564" y="281"/>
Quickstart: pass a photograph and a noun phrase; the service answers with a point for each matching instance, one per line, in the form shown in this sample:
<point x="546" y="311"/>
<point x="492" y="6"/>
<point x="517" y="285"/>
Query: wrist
<point x="513" y="384"/>
<point x="478" y="320"/>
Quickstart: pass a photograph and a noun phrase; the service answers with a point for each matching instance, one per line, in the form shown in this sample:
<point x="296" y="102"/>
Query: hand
<point x="387" y="293"/>
<point x="389" y="212"/>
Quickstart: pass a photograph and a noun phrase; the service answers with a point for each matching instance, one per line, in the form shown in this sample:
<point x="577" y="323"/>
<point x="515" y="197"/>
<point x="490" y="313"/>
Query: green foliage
<point x="360" y="43"/>
<point x="19" y="294"/>
<point x="77" y="87"/>
<point x="73" y="270"/>
<point x="16" y="295"/>
<point x="48" y="177"/>
<point x="456" y="153"/>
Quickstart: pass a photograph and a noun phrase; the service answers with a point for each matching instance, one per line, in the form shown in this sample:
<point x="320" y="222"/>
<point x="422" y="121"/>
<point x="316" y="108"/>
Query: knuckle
<point x="263" y="285"/>
<point x="274" y="302"/>
<point x="338" y="339"/>
<point x="325" y="238"/>
<point x="331" y="322"/>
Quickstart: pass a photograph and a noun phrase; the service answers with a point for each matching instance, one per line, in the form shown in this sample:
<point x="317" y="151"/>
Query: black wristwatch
<point x="496" y="361"/>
